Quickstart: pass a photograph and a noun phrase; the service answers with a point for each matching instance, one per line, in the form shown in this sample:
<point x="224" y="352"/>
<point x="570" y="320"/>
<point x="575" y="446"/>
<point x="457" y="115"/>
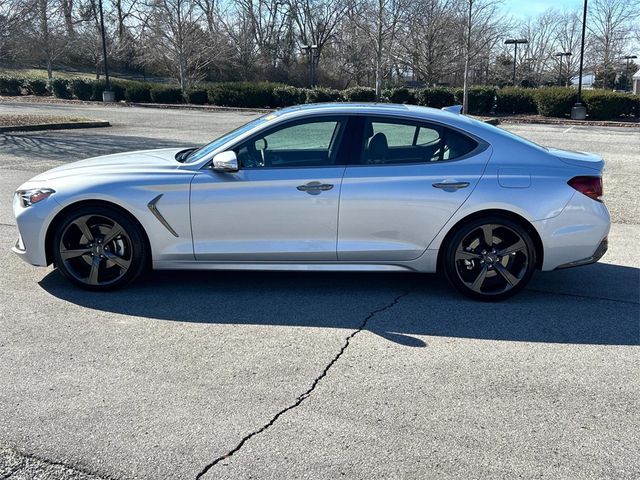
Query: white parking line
<point x="570" y="128"/>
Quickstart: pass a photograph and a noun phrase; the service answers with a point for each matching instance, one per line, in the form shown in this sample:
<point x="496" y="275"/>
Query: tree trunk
<point x="467" y="59"/>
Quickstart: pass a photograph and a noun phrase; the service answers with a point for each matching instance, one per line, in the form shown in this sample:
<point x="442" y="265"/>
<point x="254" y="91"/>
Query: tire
<point x="489" y="273"/>
<point x="99" y="248"/>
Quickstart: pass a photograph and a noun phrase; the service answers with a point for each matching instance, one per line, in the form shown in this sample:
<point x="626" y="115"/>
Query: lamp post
<point x="561" y="55"/>
<point x="311" y="49"/>
<point x="579" y="111"/>
<point x="107" y="94"/>
<point x="515" y="42"/>
<point x="626" y="75"/>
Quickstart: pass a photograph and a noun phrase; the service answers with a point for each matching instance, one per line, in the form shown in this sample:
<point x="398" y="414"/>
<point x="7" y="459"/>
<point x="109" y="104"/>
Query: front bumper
<point x="32" y="225"/>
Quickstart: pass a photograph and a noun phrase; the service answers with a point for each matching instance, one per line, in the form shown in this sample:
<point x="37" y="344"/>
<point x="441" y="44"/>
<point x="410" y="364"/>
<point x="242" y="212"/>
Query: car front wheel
<point x="490" y="259"/>
<point x="99" y="248"/>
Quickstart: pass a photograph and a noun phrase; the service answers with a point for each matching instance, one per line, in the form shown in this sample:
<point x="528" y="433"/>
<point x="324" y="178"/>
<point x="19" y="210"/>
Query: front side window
<point x="303" y="144"/>
<point x="391" y="142"/>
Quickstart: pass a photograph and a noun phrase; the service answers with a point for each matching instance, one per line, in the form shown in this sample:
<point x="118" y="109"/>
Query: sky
<point x="528" y="8"/>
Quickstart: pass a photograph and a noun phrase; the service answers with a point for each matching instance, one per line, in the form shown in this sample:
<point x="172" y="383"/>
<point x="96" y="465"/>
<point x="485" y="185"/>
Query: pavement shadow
<point x="597" y="304"/>
<point x="75" y="145"/>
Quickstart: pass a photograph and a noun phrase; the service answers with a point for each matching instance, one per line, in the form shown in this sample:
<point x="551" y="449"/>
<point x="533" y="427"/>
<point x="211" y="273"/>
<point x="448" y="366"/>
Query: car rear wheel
<point x="99" y="248"/>
<point x="490" y="259"/>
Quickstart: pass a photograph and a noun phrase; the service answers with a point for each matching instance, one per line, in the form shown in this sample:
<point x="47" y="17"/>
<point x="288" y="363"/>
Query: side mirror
<point x="225" y="162"/>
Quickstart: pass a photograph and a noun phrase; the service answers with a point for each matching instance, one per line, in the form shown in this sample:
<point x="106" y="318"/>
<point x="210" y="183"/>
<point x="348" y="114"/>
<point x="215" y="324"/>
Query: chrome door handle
<point x="451" y="185"/>
<point x="314" y="188"/>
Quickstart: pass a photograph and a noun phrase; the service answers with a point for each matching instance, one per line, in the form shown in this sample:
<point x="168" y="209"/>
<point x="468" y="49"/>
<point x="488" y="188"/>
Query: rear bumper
<point x="597" y="255"/>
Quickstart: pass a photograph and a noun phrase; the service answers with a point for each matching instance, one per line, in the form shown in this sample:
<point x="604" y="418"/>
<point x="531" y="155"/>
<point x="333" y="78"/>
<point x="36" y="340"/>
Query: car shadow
<point x="597" y="304"/>
<point x="75" y="145"/>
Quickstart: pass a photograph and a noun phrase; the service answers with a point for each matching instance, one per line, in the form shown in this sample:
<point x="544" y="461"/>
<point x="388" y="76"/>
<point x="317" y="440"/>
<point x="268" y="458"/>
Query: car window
<point x="397" y="142"/>
<point x="308" y="144"/>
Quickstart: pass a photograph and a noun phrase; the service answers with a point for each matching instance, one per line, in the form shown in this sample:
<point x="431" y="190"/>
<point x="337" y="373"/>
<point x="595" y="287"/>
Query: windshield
<point x="202" y="152"/>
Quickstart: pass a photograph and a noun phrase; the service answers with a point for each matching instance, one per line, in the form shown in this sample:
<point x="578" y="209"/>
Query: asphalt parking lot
<point x="289" y="375"/>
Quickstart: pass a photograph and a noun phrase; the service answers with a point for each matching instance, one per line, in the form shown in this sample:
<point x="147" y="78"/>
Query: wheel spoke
<point x="506" y="274"/>
<point x="113" y="233"/>
<point x="121" y="262"/>
<point x="487" y="235"/>
<point x="81" y="223"/>
<point x="516" y="247"/>
<point x="95" y="269"/>
<point x="464" y="255"/>
<point x="74" y="252"/>
<point x="477" y="283"/>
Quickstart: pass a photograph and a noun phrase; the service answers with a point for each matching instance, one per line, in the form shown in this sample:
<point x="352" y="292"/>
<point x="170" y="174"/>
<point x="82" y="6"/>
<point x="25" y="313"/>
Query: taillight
<point x="589" y="186"/>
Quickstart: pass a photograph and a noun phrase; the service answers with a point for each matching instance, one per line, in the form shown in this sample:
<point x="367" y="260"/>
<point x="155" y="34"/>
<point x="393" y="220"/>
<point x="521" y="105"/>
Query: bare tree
<point x="44" y="33"/>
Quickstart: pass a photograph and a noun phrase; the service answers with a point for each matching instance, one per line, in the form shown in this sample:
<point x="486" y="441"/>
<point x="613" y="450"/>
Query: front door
<point x="409" y="180"/>
<point x="282" y="205"/>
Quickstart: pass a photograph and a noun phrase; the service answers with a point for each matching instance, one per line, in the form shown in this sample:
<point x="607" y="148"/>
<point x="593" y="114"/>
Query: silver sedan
<point x="325" y="187"/>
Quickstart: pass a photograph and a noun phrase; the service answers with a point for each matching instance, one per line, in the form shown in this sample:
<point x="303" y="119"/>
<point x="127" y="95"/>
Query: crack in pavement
<point x="309" y="391"/>
<point x="577" y="295"/>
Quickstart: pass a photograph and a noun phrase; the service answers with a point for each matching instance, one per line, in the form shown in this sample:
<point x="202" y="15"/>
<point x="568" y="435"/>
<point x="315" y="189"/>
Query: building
<point x="636" y="83"/>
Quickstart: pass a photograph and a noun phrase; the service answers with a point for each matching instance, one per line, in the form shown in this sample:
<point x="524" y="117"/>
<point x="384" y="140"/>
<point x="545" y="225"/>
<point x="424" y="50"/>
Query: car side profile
<point x="365" y="187"/>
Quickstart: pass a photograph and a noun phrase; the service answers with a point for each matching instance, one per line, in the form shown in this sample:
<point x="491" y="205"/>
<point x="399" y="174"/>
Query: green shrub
<point x="555" y="101"/>
<point x="35" y="86"/>
<point x="98" y="86"/>
<point x="359" y="94"/>
<point x="137" y="92"/>
<point x="605" y="105"/>
<point x="436" y="97"/>
<point x="399" y="95"/>
<point x="197" y="96"/>
<point x="286" y="96"/>
<point x="162" y="94"/>
<point x="80" y="89"/>
<point x="10" y="86"/>
<point x="319" y="95"/>
<point x="243" y="94"/>
<point x="516" y="100"/>
<point x="481" y="99"/>
<point x="60" y="88"/>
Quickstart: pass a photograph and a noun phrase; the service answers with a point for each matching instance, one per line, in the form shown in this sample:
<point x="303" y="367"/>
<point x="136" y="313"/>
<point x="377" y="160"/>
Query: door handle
<point x="315" y="188"/>
<point x="451" y="185"/>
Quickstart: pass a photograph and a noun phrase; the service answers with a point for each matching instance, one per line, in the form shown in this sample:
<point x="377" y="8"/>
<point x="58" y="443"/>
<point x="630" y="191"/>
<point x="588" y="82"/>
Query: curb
<point x="203" y="108"/>
<point x="584" y="123"/>
<point x="55" y="126"/>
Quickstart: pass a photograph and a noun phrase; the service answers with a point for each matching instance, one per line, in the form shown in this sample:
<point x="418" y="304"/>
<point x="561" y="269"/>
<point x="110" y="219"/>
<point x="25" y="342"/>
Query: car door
<point x="409" y="179"/>
<point x="282" y="204"/>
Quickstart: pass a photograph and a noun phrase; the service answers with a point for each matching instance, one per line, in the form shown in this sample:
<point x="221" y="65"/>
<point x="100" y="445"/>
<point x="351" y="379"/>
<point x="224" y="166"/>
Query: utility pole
<point x="311" y="49"/>
<point x="515" y="42"/>
<point x="561" y="55"/>
<point x="579" y="111"/>
<point x="107" y="94"/>
<point x="628" y="85"/>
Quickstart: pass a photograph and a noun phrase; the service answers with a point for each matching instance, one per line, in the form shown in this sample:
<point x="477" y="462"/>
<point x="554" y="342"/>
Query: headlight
<point x="34" y="195"/>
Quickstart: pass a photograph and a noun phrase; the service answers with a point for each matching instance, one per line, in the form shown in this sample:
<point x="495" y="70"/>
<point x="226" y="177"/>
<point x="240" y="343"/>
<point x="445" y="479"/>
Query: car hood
<point x="120" y="163"/>
<point x="580" y="159"/>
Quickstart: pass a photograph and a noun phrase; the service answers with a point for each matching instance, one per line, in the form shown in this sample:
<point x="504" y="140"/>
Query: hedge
<point x="137" y="92"/>
<point x="81" y="89"/>
<point x="35" y="86"/>
<point x="60" y="88"/>
<point x="516" y="100"/>
<point x="555" y="101"/>
<point x="286" y="96"/>
<point x="436" y="97"/>
<point x="605" y="105"/>
<point x="162" y="94"/>
<point x="320" y="95"/>
<point x="117" y="87"/>
<point x="243" y="94"/>
<point x="359" y="94"/>
<point x="481" y="99"/>
<point x="399" y="95"/>
<point x="10" y="86"/>
<point x="197" y="96"/>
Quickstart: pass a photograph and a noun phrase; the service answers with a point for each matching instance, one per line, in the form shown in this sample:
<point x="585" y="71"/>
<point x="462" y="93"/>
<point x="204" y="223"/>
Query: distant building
<point x="636" y="83"/>
<point x="588" y="79"/>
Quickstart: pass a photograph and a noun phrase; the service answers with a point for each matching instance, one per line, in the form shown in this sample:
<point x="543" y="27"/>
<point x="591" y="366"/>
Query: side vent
<point x="153" y="206"/>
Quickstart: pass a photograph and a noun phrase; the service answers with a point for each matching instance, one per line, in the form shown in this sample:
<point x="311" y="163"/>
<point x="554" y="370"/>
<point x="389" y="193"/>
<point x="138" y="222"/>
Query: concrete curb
<point x="204" y="108"/>
<point x="559" y="121"/>
<point x="55" y="126"/>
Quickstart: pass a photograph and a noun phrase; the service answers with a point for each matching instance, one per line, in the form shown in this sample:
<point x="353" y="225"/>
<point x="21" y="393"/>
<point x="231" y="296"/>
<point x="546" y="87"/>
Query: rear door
<point x="408" y="180"/>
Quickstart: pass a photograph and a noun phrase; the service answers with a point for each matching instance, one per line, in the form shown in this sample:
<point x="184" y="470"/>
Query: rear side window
<point x="394" y="141"/>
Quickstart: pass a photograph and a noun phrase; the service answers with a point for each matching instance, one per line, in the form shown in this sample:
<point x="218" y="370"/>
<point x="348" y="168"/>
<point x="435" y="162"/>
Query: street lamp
<point x="626" y="75"/>
<point x="515" y="42"/>
<point x="107" y="94"/>
<point x="579" y="111"/>
<point x="311" y="49"/>
<point x="560" y="55"/>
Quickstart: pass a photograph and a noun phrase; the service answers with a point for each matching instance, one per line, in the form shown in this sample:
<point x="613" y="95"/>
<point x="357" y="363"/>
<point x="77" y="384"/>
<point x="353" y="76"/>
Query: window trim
<point x="356" y="160"/>
<point x="343" y="124"/>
